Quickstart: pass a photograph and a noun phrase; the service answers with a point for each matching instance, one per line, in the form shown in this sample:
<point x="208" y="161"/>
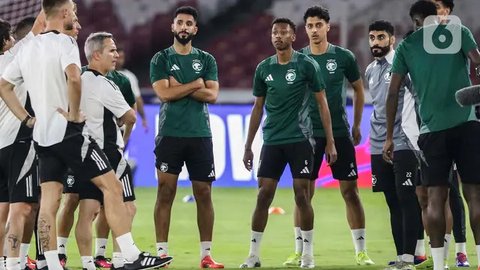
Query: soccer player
<point x="337" y="65"/>
<point x="283" y="84"/>
<point x="185" y="79"/>
<point x="135" y="87"/>
<point x="59" y="139"/>
<point x="445" y="8"/>
<point x="18" y="162"/>
<point x="397" y="181"/>
<point x="449" y="133"/>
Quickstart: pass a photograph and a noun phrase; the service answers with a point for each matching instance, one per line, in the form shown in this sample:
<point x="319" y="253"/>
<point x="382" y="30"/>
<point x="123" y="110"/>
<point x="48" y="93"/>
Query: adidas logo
<point x="254" y="240"/>
<point x="269" y="78"/>
<point x="361" y="238"/>
<point x="174" y="67"/>
<point x="408" y="182"/>
<point x="306" y="241"/>
<point x="147" y="261"/>
<point x="207" y="249"/>
<point x="299" y="238"/>
<point x="305" y="170"/>
<point x="103" y="247"/>
<point x="212" y="174"/>
<point x="62" y="246"/>
<point x="352" y="173"/>
<point x="160" y="248"/>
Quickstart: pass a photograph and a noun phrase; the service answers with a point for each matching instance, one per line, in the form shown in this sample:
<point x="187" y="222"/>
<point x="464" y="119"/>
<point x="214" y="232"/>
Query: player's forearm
<point x="255" y="119"/>
<point x="11" y="100"/>
<point x="174" y="93"/>
<point x="139" y="107"/>
<point x="127" y="132"/>
<point x="326" y="121"/>
<point x="205" y="95"/>
<point x="358" y="103"/>
<point x="74" y="96"/>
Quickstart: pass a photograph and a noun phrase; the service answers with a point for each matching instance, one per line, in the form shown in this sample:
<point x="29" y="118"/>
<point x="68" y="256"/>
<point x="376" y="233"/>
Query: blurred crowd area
<point x="237" y="32"/>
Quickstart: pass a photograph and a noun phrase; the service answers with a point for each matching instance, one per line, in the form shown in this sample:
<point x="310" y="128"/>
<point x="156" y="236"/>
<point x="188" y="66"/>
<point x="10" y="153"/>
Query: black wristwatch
<point x="25" y="121"/>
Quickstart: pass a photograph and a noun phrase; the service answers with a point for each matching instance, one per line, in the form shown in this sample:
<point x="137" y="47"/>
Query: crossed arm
<point x="171" y="90"/>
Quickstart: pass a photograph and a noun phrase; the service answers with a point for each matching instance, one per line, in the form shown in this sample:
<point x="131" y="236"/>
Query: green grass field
<point x="233" y="208"/>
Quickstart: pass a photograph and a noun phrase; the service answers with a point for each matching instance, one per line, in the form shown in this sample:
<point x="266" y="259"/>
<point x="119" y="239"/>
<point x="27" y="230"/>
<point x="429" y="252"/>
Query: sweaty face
<point x="108" y="56"/>
<point x="184" y="28"/>
<point x="282" y="36"/>
<point x="316" y="29"/>
<point x="380" y="42"/>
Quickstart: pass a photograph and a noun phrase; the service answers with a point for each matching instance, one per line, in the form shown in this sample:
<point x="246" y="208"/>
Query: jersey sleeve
<point x="211" y="72"/>
<point x="399" y="65"/>
<point x="259" y="85"/>
<point x="111" y="97"/>
<point x="468" y="41"/>
<point x="158" y="68"/>
<point x="13" y="73"/>
<point x="70" y="54"/>
<point x="352" y="72"/>
<point x="314" y="75"/>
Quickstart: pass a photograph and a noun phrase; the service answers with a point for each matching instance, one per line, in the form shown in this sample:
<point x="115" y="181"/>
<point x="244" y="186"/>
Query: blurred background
<point x="237" y="34"/>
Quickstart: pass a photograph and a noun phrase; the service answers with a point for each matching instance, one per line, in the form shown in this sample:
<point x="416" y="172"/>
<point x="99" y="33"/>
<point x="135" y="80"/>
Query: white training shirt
<point x="133" y="81"/>
<point x="41" y="65"/>
<point x="9" y="123"/>
<point x="102" y="103"/>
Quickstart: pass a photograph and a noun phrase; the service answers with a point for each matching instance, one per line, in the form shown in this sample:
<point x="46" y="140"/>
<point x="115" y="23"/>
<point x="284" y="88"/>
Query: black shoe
<point x="146" y="261"/>
<point x="63" y="259"/>
<point x="115" y="268"/>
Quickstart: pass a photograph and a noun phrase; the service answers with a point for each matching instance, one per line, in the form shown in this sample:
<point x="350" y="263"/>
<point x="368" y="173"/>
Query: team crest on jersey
<point x="164" y="167"/>
<point x="70" y="181"/>
<point x="197" y="65"/>
<point x="331" y="65"/>
<point x="387" y="77"/>
<point x="290" y="76"/>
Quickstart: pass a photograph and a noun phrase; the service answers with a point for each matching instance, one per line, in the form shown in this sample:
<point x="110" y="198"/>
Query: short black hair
<point x="23" y="24"/>
<point x="317" y="11"/>
<point x="423" y="8"/>
<point x="448" y="3"/>
<point x="50" y="5"/>
<point x="382" y="25"/>
<point x="5" y="29"/>
<point x="187" y="10"/>
<point x="287" y="21"/>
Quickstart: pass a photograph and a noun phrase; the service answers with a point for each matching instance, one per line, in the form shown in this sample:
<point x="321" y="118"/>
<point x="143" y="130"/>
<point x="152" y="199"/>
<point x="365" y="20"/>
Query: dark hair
<point x="317" y="11"/>
<point x="23" y="24"/>
<point x="448" y="3"/>
<point x="382" y="25"/>
<point x="187" y="10"/>
<point x="5" y="28"/>
<point x="423" y="8"/>
<point x="50" y="5"/>
<point x="287" y="21"/>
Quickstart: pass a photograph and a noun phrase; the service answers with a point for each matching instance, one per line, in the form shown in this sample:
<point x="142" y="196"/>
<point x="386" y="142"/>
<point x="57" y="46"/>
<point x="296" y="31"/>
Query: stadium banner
<point x="229" y="124"/>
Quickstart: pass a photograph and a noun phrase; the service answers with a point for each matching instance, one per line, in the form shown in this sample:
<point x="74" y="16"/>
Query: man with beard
<point x="397" y="181"/>
<point x="185" y="79"/>
<point x="60" y="141"/>
<point x="337" y="65"/>
<point x="449" y="133"/>
<point x="284" y="84"/>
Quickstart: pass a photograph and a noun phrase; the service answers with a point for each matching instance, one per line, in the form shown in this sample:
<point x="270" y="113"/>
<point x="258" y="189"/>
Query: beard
<point x="183" y="40"/>
<point x="383" y="50"/>
<point x="68" y="26"/>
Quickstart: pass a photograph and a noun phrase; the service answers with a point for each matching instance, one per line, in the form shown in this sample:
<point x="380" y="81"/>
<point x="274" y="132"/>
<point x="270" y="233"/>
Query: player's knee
<point x="166" y="193"/>
<point x="301" y="200"/>
<point x="350" y="194"/>
<point x="265" y="196"/>
<point x="70" y="203"/>
<point x="20" y="210"/>
<point x="131" y="208"/>
<point x="202" y="193"/>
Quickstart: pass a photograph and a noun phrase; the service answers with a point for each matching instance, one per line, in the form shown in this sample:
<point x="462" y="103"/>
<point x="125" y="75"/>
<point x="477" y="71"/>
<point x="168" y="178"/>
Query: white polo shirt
<point x="102" y="103"/>
<point x="41" y="65"/>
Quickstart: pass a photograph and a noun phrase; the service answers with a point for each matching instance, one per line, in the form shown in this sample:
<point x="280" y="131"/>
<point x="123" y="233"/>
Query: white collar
<point x="389" y="56"/>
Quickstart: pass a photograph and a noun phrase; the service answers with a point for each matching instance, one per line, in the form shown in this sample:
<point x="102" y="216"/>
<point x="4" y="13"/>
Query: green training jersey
<point x="123" y="84"/>
<point x="287" y="90"/>
<point x="436" y="78"/>
<point x="185" y="117"/>
<point x="338" y="66"/>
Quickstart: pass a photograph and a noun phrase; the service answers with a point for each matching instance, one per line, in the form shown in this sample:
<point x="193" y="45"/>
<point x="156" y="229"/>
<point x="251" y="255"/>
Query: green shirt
<point x="287" y="90"/>
<point x="338" y="65"/>
<point x="123" y="84"/>
<point x="436" y="78"/>
<point x="186" y="117"/>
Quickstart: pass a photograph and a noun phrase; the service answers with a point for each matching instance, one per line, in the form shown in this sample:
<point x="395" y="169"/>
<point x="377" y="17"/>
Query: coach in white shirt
<point x="60" y="141"/>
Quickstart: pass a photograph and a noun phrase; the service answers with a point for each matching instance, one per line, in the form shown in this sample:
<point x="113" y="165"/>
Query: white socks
<point x="205" y="247"/>
<point x="461" y="248"/>
<point x="100" y="246"/>
<point x="23" y="254"/>
<point x="117" y="260"/>
<point x="255" y="243"/>
<point x="162" y="248"/>
<point x="446" y="246"/>
<point x="87" y="263"/>
<point x="358" y="237"/>
<point x="52" y="260"/>
<point x="62" y="245"/>
<point x="307" y="242"/>
<point x="13" y="263"/>
<point x="438" y="258"/>
<point x="129" y="250"/>
<point x="420" y="248"/>
<point x="298" y="240"/>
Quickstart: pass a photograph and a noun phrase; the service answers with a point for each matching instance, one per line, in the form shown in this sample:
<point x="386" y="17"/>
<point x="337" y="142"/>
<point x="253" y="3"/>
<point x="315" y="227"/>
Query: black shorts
<point x="460" y="144"/>
<point x="88" y="190"/>
<point x="19" y="173"/>
<point x="345" y="168"/>
<point x="274" y="158"/>
<point x="197" y="153"/>
<point x="402" y="174"/>
<point x="77" y="151"/>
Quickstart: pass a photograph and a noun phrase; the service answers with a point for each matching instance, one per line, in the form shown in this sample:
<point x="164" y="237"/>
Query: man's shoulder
<point x="202" y="53"/>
